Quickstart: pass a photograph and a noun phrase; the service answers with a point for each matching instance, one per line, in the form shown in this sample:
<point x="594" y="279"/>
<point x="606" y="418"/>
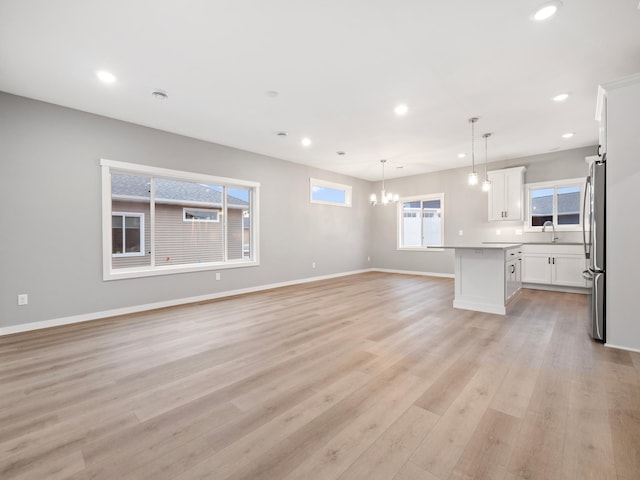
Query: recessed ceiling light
<point x="271" y="93"/>
<point x="561" y="97"/>
<point x="401" y="109"/>
<point x="568" y="135"/>
<point x="282" y="134"/>
<point x="546" y="11"/>
<point x="159" y="94"/>
<point x="105" y="76"/>
<point x="306" y="141"/>
<point x="462" y="155"/>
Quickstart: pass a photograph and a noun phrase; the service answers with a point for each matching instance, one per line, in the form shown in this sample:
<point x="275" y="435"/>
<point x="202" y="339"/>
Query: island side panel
<point x="480" y="280"/>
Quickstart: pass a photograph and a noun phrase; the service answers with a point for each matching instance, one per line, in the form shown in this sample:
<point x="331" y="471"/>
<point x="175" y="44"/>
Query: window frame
<point x="555" y="185"/>
<point x="400" y="215"/>
<point x="111" y="166"/>
<point x="189" y="220"/>
<point x="124" y="215"/>
<point x="347" y="189"/>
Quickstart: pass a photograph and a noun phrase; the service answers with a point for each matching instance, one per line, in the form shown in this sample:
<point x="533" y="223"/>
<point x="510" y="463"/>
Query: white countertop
<point x="482" y="246"/>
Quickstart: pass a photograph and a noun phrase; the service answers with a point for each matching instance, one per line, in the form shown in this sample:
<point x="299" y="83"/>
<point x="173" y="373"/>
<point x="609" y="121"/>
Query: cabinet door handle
<point x="553" y="260"/>
<point x="549" y="260"/>
<point x="598" y="153"/>
<point x="513" y="269"/>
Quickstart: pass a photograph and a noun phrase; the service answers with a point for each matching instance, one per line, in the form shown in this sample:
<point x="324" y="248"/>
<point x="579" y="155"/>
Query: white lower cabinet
<point x="560" y="265"/>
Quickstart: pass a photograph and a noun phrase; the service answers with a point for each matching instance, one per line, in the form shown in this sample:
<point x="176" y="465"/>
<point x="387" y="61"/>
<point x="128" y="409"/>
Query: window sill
<point x="137" y="272"/>
<point x="420" y="249"/>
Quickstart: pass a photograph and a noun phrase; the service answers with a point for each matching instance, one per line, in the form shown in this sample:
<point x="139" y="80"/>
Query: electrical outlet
<point x="460" y="233"/>
<point x="498" y="232"/>
<point x="217" y="275"/>
<point x="23" y="299"/>
<point x="313" y="264"/>
<point x="368" y="259"/>
<point x="518" y="231"/>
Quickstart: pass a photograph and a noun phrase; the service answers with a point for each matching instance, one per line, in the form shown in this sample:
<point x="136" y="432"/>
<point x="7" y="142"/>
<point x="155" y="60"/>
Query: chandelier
<point x="385" y="197"/>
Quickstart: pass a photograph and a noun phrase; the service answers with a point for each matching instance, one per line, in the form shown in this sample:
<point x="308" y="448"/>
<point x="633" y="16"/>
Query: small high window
<point x="329" y="193"/>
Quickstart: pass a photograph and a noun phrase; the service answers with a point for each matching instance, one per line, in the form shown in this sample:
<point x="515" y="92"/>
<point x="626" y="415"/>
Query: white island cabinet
<point x="487" y="277"/>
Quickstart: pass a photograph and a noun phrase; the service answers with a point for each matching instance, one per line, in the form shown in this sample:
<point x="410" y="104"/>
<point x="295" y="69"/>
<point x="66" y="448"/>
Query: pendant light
<point x="385" y="197"/>
<point x="486" y="184"/>
<point x="473" y="176"/>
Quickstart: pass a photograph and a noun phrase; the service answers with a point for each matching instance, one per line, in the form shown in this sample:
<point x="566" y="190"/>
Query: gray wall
<point x="466" y="210"/>
<point x="50" y="204"/>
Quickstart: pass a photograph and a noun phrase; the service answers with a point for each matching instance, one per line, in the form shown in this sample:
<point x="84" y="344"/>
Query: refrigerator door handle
<point x="596" y="313"/>
<point x="587" y="193"/>
<point x="586" y="274"/>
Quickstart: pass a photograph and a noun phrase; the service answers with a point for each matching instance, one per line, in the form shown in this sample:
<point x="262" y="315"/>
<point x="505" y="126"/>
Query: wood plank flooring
<point x="370" y="376"/>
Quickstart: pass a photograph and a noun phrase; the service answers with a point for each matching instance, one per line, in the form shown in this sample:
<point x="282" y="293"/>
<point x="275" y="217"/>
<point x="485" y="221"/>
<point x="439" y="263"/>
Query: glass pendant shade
<point x="473" y="176"/>
<point x="486" y="184"/>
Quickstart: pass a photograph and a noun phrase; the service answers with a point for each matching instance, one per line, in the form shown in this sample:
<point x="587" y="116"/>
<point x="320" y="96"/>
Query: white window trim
<point x="399" y="216"/>
<point x="108" y="273"/>
<point x="124" y="215"/>
<point x="192" y="220"/>
<point x="347" y="189"/>
<point x="567" y="182"/>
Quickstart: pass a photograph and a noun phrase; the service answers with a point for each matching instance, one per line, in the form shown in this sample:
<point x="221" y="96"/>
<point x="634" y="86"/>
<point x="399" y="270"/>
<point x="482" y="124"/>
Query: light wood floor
<point x="372" y="376"/>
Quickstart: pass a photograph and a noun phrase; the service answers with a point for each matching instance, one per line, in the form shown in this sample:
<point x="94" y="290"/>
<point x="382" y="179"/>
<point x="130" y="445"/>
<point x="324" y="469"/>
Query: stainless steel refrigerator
<point x="593" y="232"/>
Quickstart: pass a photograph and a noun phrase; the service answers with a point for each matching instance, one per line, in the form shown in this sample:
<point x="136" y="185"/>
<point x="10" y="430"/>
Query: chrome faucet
<point x="553" y="232"/>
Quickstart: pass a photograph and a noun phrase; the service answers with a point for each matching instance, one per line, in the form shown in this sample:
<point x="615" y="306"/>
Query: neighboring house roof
<point x="567" y="203"/>
<point x="132" y="187"/>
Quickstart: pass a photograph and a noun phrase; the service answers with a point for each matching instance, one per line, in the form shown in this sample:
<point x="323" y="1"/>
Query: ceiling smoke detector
<point x="159" y="94"/>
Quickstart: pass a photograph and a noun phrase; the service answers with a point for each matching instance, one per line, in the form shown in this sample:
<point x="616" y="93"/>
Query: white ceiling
<point x="339" y="67"/>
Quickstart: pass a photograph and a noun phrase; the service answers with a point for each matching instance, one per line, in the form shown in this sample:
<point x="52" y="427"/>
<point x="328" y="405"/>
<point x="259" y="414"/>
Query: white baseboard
<point x="621" y="348"/>
<point x="413" y="272"/>
<point x="56" y="322"/>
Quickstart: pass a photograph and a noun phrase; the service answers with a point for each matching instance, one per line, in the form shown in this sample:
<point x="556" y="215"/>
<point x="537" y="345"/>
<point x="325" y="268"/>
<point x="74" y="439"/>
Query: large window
<point x="421" y="222"/>
<point x="559" y="202"/>
<point x="158" y="221"/>
<point x="329" y="193"/>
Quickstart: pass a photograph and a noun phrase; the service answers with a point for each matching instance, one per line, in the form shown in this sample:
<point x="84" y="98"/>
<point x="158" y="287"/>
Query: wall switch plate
<point x="313" y="264"/>
<point x="23" y="299"/>
<point x="368" y="259"/>
<point x="218" y="275"/>
<point x="460" y="233"/>
<point x="498" y="232"/>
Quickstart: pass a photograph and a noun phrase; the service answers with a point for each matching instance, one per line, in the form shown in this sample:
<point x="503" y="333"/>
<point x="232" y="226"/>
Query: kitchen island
<point x="487" y="276"/>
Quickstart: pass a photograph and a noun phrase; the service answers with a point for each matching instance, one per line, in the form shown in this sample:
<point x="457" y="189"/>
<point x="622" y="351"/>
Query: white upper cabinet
<point x="505" y="196"/>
